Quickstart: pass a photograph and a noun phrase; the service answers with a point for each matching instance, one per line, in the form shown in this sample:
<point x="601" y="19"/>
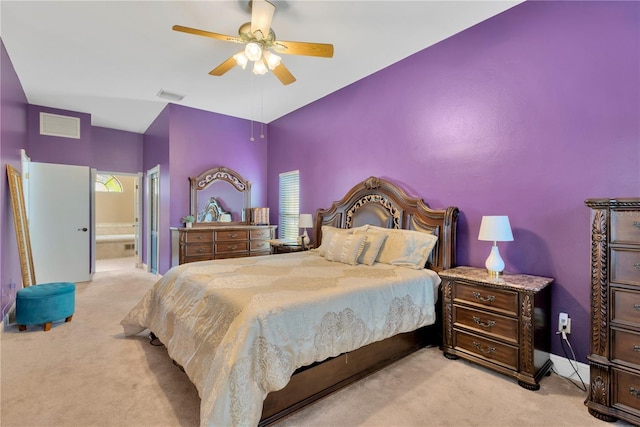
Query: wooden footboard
<point x="316" y="381"/>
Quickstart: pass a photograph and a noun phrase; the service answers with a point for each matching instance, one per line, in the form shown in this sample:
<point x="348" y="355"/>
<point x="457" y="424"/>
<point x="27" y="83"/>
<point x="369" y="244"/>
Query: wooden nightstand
<point x="500" y="323"/>
<point x="283" y="246"/>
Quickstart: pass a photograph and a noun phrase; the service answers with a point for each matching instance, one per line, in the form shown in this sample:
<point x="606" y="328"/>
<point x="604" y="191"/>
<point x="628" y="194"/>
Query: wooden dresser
<point x="206" y="243"/>
<point x="615" y="310"/>
<point x="500" y="323"/>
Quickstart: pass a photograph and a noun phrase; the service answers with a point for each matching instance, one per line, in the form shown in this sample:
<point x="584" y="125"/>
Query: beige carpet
<point x="85" y="373"/>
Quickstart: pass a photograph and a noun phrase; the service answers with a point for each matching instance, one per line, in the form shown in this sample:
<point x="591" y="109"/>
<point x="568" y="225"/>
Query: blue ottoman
<point x="45" y="303"/>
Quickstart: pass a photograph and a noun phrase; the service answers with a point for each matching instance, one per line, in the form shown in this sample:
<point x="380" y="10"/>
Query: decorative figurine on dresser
<point x="614" y="361"/>
<point x="499" y="322"/>
<point x="223" y="228"/>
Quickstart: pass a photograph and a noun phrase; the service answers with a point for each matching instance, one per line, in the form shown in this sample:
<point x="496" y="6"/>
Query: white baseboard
<point x="563" y="367"/>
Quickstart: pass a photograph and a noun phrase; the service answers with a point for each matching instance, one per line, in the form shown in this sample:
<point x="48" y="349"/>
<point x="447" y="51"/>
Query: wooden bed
<point x="378" y="202"/>
<point x="243" y="327"/>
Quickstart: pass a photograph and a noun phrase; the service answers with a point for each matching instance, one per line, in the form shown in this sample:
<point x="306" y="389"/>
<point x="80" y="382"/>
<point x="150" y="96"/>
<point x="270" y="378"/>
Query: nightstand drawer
<point x="625" y="347"/>
<point x="626" y="394"/>
<point x="232" y="235"/>
<point x="626" y="307"/>
<point x="625" y="266"/>
<point x="625" y="226"/>
<point x="226" y="247"/>
<point x="198" y="236"/>
<point x="198" y="249"/>
<point x="496" y="299"/>
<point x="493" y="325"/>
<point x="495" y="351"/>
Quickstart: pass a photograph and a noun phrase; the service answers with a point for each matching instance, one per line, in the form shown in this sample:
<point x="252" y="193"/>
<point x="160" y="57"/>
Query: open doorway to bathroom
<point x="116" y="221"/>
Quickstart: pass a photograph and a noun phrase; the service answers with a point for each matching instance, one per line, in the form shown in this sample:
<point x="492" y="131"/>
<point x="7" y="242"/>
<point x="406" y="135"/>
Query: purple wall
<point x="526" y="114"/>
<point x="186" y="141"/>
<point x="13" y="138"/>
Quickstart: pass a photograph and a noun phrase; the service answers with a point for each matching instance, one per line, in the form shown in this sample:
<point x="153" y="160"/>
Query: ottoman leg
<point x="68" y="319"/>
<point x="47" y="326"/>
<point x="22" y="327"/>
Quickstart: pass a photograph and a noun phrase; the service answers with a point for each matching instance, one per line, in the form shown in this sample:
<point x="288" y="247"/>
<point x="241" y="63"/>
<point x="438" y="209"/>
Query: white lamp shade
<point x="305" y="221"/>
<point x="495" y="229"/>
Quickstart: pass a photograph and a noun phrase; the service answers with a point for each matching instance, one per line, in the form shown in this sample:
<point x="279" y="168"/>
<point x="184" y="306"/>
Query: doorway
<point x="116" y="221"/>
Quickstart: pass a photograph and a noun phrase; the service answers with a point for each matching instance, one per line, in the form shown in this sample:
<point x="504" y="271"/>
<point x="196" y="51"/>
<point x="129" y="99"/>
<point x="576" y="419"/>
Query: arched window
<point x="108" y="183"/>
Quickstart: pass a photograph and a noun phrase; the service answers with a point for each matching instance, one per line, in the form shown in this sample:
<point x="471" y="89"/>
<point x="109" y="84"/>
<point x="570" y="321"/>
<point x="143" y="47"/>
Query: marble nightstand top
<point x="479" y="275"/>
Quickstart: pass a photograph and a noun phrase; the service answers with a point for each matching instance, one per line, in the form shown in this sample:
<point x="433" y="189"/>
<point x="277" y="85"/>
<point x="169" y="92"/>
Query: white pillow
<point x="328" y="231"/>
<point x="345" y="248"/>
<point x="407" y="248"/>
<point x="372" y="246"/>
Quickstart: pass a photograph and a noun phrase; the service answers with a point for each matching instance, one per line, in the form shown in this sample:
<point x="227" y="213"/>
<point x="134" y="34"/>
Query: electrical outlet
<point x="564" y="323"/>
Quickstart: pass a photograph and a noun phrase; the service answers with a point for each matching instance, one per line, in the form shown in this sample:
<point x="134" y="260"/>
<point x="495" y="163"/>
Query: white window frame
<point x="289" y="205"/>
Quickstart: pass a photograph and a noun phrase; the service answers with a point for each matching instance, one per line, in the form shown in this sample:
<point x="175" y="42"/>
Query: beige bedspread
<point x="240" y="327"/>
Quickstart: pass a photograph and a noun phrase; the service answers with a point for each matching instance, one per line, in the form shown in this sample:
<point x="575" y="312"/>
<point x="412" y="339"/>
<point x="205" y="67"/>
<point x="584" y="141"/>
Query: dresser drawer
<point x="496" y="299"/>
<point x="260" y="245"/>
<point x="227" y="235"/>
<point x="626" y="307"/>
<point x="625" y="226"/>
<point x="198" y="249"/>
<point x="495" y="351"/>
<point x="264" y="233"/>
<point x="625" y="266"/>
<point x="626" y="394"/>
<point x="228" y="247"/>
<point x="198" y="236"/>
<point x="493" y="325"/>
<point x="625" y="347"/>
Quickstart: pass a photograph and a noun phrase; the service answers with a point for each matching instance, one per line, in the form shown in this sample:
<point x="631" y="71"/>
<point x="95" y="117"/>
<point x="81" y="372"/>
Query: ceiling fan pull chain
<point x="262" y="111"/>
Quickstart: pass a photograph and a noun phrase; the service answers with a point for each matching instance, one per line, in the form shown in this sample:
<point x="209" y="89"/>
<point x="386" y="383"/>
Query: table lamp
<point x="495" y="229"/>
<point x="305" y="221"/>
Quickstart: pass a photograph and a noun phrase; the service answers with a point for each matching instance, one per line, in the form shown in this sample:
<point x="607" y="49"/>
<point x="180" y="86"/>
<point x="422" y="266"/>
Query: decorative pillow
<point x="372" y="246"/>
<point x="405" y="247"/>
<point x="345" y="248"/>
<point x="328" y="231"/>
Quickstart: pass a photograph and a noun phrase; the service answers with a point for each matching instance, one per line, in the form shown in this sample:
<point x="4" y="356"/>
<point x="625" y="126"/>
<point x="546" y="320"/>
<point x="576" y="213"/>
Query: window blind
<point x="289" y="210"/>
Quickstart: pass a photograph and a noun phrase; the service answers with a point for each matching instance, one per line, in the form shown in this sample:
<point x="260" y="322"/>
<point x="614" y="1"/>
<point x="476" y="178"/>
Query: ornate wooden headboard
<point x="378" y="202"/>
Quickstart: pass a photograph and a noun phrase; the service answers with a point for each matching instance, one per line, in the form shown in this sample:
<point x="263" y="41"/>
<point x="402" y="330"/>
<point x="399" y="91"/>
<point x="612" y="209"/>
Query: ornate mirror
<point x="220" y="196"/>
<point x="21" y="226"/>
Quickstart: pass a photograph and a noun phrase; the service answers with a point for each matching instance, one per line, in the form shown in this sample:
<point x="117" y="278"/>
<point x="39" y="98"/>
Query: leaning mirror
<point x="220" y="196"/>
<point x="21" y="226"/>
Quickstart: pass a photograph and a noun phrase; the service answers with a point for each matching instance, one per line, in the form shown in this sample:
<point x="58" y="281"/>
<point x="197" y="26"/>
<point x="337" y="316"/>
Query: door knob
<point x="83" y="229"/>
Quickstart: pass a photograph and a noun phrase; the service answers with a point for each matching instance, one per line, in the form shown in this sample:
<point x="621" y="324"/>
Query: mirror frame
<point x="22" y="226"/>
<point x="206" y="178"/>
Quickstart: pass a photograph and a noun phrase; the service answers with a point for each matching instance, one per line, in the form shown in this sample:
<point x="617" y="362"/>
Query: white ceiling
<point x="111" y="58"/>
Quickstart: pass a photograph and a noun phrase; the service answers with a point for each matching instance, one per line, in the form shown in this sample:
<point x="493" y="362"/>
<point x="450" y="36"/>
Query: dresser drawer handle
<point x="637" y="266"/>
<point x="234" y="247"/>
<point x="634" y="391"/>
<point x="636" y="348"/>
<point x="200" y="250"/>
<point x="636" y="224"/>
<point x="486" y="350"/>
<point x="199" y="237"/>
<point x="636" y="307"/>
<point x="489" y="298"/>
<point x="489" y="324"/>
<point x="234" y="235"/>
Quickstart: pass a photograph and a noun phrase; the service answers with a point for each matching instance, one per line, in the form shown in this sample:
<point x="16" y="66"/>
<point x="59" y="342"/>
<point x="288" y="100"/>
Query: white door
<point x="60" y="222"/>
<point x="153" y="218"/>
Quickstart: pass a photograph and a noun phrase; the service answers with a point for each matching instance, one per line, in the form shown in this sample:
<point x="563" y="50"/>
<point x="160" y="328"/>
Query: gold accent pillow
<point x="345" y="248"/>
<point x="372" y="247"/>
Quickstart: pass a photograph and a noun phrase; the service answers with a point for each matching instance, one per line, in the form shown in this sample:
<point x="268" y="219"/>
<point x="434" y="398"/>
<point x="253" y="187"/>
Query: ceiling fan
<point x="259" y="39"/>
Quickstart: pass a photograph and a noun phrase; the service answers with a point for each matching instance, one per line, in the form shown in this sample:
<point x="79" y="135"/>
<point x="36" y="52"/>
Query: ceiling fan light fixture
<point x="259" y="68"/>
<point x="272" y="60"/>
<point x="253" y="51"/>
<point x="241" y="59"/>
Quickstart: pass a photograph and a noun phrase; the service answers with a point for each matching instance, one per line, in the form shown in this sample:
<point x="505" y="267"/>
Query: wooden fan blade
<point x="224" y="67"/>
<point x="303" y="48"/>
<point x="283" y="74"/>
<point x="261" y="16"/>
<point x="207" y="34"/>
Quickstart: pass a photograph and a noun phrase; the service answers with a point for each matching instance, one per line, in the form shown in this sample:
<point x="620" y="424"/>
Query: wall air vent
<point x="62" y="126"/>
<point x="171" y="96"/>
